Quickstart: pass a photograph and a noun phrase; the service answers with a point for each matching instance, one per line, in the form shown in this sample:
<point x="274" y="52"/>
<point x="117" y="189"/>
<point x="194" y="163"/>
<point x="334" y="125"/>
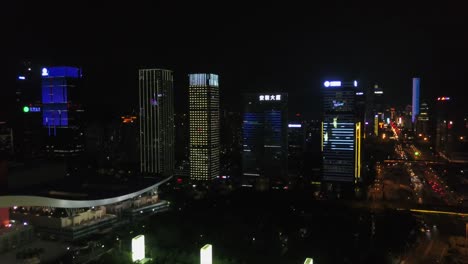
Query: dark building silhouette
<point x="265" y="136"/>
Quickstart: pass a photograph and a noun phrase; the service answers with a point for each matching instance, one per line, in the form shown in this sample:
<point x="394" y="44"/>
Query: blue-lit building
<point x="61" y="111"/>
<point x="265" y="136"/>
<point x="341" y="133"/>
<point x="415" y="101"/>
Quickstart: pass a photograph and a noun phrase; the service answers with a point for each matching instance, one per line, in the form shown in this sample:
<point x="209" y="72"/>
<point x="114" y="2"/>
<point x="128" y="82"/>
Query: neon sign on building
<point x="268" y="97"/>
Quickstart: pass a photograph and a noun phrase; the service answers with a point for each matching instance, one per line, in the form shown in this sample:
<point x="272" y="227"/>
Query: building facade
<point x="415" y="101"/>
<point x="61" y="111"/>
<point x="341" y="134"/>
<point x="265" y="136"/>
<point x="156" y="100"/>
<point x="204" y="126"/>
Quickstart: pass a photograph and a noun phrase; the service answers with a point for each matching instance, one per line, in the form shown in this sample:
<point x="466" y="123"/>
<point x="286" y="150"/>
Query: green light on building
<point x="26" y="109"/>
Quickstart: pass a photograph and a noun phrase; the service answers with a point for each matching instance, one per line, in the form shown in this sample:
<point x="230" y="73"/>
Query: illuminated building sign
<point x="138" y="248"/>
<point x="21" y="78"/>
<point x="269" y="97"/>
<point x="355" y="83"/>
<point x="294" y="125"/>
<point x="332" y="83"/>
<point x="378" y="92"/>
<point x="337" y="103"/>
<point x="443" y="98"/>
<point x="206" y="254"/>
<point x="32" y="109"/>
<point x="62" y="72"/>
<point x="359" y="93"/>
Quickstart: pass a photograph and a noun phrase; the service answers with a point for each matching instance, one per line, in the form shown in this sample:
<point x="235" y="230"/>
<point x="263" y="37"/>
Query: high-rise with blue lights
<point x="61" y="110"/>
<point x="204" y="126"/>
<point x="156" y="100"/>
<point x="265" y="136"/>
<point x="341" y="133"/>
<point x="415" y="101"/>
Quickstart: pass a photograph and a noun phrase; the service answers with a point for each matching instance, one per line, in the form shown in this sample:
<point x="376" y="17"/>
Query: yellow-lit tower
<point x="204" y="126"/>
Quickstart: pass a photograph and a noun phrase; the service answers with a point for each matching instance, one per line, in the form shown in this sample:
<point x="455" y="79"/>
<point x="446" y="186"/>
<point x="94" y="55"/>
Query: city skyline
<point x="229" y="132"/>
<point x="386" y="45"/>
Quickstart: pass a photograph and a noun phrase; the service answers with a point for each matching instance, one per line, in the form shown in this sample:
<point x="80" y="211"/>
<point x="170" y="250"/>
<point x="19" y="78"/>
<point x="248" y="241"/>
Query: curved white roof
<point x="30" y="200"/>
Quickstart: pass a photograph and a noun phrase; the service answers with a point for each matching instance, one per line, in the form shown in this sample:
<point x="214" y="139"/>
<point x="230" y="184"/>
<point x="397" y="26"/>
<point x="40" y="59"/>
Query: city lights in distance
<point x="45" y="72"/>
<point x="268" y="97"/>
<point x="332" y="83"/>
<point x="21" y="78"/>
<point x="443" y="98"/>
<point x="138" y="248"/>
<point x="355" y="83"/>
<point x="25" y="109"/>
<point x="378" y="92"/>
<point x="294" y="125"/>
<point x="206" y="254"/>
<point x="359" y="93"/>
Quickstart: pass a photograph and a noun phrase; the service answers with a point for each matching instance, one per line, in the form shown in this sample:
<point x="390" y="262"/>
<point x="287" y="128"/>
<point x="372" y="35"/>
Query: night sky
<point x="272" y="47"/>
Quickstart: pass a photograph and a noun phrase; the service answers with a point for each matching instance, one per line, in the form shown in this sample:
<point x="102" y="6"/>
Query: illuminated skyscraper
<point x="61" y="110"/>
<point x="415" y="101"/>
<point x="204" y="126"/>
<point x="265" y="136"/>
<point x="156" y="122"/>
<point x="422" y="125"/>
<point x="341" y="134"/>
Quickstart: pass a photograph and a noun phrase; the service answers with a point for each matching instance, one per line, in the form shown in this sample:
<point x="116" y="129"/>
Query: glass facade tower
<point x="340" y="133"/>
<point x="156" y="102"/>
<point x="265" y="135"/>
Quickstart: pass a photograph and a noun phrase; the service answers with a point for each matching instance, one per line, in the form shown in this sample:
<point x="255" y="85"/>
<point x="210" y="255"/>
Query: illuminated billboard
<point x="138" y="248"/>
<point x="206" y="254"/>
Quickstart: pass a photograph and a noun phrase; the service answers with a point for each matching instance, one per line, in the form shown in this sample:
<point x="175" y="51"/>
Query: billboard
<point x="206" y="254"/>
<point x="138" y="248"/>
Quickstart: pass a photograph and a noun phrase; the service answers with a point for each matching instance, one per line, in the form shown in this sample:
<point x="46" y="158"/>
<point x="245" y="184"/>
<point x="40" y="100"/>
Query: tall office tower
<point x="265" y="138"/>
<point x="25" y="115"/>
<point x="204" y="126"/>
<point x="451" y="129"/>
<point x="415" y="101"/>
<point x="422" y="125"/>
<point x="156" y="99"/>
<point x="341" y="134"/>
<point x="231" y="143"/>
<point x="374" y="109"/>
<point x="296" y="147"/>
<point x="61" y="114"/>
